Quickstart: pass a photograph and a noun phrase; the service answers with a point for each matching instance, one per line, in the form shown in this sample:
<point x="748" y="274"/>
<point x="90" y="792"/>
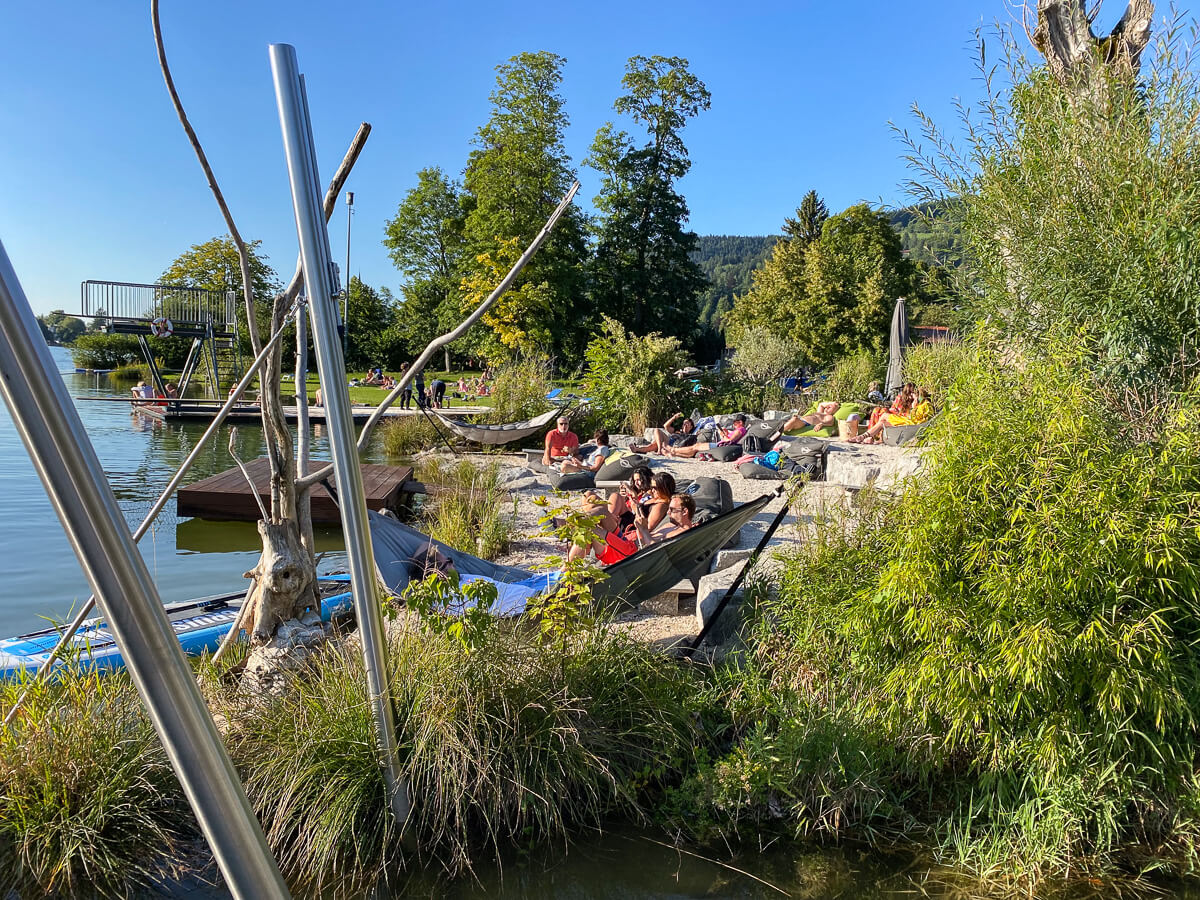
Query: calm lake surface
<point x="187" y="558"/>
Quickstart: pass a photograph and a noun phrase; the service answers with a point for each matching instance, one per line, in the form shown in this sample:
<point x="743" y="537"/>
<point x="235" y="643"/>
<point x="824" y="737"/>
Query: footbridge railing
<point x="123" y="300"/>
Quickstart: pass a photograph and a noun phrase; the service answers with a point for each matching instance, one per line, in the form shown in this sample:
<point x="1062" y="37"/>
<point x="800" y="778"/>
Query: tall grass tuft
<point x="508" y="744"/>
<point x="852" y="375"/>
<point x="469" y="510"/>
<point x="519" y="389"/>
<point x="89" y="804"/>
<point x="406" y="435"/>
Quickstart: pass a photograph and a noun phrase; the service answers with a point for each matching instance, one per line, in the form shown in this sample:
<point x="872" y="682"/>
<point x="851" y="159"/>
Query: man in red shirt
<point x="560" y="443"/>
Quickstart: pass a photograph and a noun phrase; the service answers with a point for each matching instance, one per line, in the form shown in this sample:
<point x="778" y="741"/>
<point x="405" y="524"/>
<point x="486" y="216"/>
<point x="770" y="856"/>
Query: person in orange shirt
<point x="561" y="443"/>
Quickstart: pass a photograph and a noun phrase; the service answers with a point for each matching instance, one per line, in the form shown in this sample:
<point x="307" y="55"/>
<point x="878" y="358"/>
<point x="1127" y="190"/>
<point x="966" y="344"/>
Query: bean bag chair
<point x="620" y="469"/>
<point x="713" y="496"/>
<point x="757" y="472"/>
<point x="572" y="481"/>
<point x="806" y="456"/>
<point x="728" y="453"/>
<point x="762" y="429"/>
<point x="844" y="412"/>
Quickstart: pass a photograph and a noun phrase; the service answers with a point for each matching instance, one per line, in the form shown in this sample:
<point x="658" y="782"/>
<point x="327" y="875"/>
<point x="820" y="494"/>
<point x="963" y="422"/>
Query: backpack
<point x="754" y="444"/>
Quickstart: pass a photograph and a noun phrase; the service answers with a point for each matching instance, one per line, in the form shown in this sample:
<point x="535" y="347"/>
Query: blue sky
<point x="100" y="183"/>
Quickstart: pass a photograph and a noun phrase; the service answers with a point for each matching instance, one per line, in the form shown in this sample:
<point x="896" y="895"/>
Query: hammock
<point x="634" y="579"/>
<point x="497" y="434"/>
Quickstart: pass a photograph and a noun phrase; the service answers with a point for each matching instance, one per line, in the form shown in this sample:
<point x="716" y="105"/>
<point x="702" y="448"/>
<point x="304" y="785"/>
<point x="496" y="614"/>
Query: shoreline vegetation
<point x="996" y="664"/>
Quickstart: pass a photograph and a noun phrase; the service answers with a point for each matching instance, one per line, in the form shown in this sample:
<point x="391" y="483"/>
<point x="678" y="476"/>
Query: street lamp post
<point x="346" y="295"/>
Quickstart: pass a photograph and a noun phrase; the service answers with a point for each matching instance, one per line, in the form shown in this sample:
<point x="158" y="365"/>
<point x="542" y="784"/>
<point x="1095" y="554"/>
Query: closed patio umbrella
<point x="896" y="344"/>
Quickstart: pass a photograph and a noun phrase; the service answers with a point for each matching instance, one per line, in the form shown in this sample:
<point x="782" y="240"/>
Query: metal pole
<point x="318" y="279"/>
<point x="75" y="482"/>
<point x="346" y="298"/>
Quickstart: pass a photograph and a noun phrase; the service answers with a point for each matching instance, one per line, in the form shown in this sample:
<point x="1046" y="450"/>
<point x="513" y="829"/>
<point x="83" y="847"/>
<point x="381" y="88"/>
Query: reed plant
<point x="89" y="804"/>
<point x="469" y="510"/>
<point x="519" y="389"/>
<point x="503" y="746"/>
<point x="130" y="373"/>
<point x="406" y="435"/>
<point x="1002" y="659"/>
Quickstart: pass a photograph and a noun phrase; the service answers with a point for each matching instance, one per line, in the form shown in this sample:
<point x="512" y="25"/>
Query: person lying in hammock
<point x="614" y="546"/>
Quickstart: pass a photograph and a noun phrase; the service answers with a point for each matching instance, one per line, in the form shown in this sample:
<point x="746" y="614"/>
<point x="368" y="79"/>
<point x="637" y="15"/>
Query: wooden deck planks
<point x="227" y="495"/>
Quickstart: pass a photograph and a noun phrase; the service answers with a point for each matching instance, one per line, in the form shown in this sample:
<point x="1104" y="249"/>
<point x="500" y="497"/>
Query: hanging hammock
<point x="639" y="577"/>
<point x="497" y="434"/>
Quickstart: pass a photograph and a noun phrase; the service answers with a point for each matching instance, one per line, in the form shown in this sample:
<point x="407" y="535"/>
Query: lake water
<point x="187" y="558"/>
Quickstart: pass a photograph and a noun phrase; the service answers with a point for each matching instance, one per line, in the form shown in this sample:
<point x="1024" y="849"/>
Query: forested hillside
<point x="929" y="233"/>
<point x="728" y="261"/>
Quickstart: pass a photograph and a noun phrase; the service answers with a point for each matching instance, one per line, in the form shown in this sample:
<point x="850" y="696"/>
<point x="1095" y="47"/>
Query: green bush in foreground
<point x="406" y="435"/>
<point x="468" y="511"/>
<point x="509" y="744"/>
<point x="89" y="803"/>
<point x="1007" y="653"/>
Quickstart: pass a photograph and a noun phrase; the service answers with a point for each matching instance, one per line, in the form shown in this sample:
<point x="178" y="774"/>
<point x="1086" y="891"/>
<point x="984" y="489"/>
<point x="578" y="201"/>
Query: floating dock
<point x="227" y="496"/>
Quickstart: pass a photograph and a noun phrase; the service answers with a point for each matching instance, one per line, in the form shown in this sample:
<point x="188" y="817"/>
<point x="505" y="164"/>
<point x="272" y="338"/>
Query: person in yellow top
<point x="921" y="411"/>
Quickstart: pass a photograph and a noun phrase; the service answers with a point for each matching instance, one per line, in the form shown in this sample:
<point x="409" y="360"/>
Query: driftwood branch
<point x="363" y="439"/>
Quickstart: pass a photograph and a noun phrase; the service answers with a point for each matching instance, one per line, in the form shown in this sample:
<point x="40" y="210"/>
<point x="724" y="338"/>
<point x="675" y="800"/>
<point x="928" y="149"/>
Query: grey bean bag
<point x="572" y="481"/>
<point x="620" y="469"/>
<point x="756" y="472"/>
<point x="728" y="453"/>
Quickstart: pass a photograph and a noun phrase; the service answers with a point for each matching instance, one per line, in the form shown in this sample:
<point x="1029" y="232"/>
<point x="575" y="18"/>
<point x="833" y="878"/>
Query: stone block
<point x="709" y="592"/>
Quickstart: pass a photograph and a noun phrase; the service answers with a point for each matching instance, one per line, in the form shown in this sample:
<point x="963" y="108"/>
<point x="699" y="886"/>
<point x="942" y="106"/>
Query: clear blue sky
<point x="100" y="183"/>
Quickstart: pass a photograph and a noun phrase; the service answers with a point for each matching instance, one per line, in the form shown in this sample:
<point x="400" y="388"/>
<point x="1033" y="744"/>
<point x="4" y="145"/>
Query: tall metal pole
<point x="71" y="473"/>
<point x="319" y="284"/>
<point x="346" y="298"/>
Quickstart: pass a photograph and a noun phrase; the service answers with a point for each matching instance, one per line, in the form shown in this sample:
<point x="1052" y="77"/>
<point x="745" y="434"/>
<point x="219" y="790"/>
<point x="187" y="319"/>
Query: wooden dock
<point x="227" y="496"/>
<point x="206" y="411"/>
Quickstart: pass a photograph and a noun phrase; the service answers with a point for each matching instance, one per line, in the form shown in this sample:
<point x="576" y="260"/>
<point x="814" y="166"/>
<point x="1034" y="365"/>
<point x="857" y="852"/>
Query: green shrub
<point x="937" y="367"/>
<point x="105" y="351"/>
<point x="762" y="359"/>
<point x="631" y="380"/>
<point x="1020" y="625"/>
<point x="509" y="744"/>
<point x="469" y="510"/>
<point x="130" y="374"/>
<point x="405" y="435"/>
<point x="89" y="804"/>
<point x="1080" y="207"/>
<point x="852" y="375"/>
<point x="519" y="390"/>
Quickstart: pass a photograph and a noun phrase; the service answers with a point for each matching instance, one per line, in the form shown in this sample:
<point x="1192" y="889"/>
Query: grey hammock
<point x="636" y="578"/>
<point x="497" y="434"/>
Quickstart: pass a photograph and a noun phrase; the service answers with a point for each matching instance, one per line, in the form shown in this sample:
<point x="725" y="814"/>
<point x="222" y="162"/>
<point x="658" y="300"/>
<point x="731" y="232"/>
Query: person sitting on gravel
<point x="595" y="459"/>
<point x="731" y="435"/>
<point x="561" y="443"/>
<point x="669" y="436"/>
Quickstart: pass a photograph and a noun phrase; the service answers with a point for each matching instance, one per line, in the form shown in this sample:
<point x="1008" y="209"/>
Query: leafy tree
<point x="426" y="242"/>
<point x="761" y="360"/>
<point x="371" y="316"/>
<point x="63" y="329"/>
<point x="105" y="351"/>
<point x="518" y="171"/>
<point x="810" y="216"/>
<point x="728" y="262"/>
<point x="213" y="265"/>
<point x="834" y="297"/>
<point x="643" y="273"/>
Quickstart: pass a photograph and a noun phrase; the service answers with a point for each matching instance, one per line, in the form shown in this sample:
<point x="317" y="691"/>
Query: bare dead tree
<point x="1073" y="52"/>
<point x="284" y="580"/>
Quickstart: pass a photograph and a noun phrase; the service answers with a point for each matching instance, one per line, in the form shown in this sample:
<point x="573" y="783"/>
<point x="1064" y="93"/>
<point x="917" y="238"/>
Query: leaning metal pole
<point x="319" y="285"/>
<point x="70" y="470"/>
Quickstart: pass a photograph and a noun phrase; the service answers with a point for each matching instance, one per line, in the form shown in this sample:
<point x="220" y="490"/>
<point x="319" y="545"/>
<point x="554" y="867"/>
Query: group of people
<point x="143" y="392"/>
<point x="681" y="441"/>
<point x="912" y="406"/>
<point x="645" y="510"/>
